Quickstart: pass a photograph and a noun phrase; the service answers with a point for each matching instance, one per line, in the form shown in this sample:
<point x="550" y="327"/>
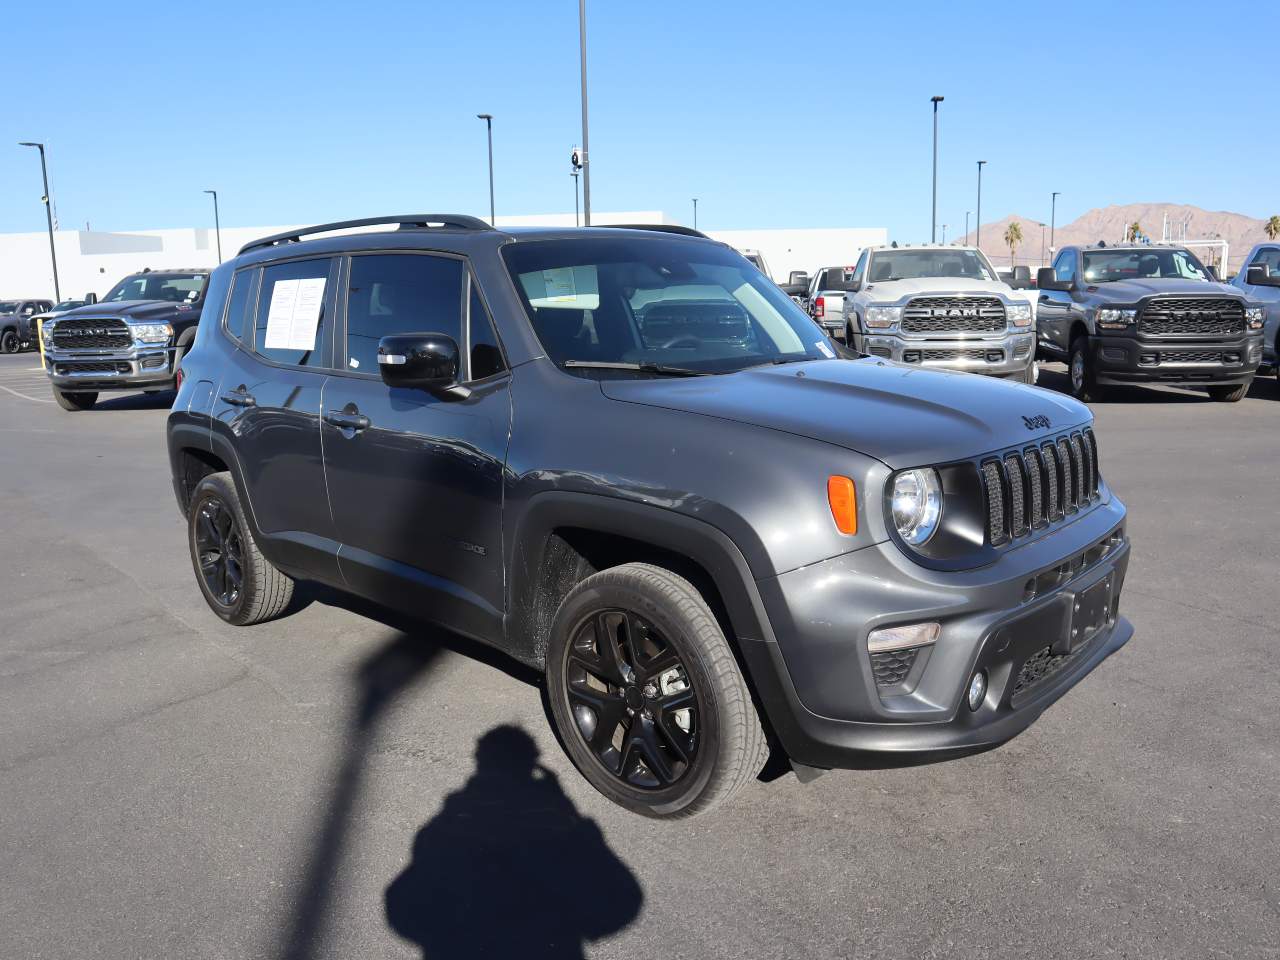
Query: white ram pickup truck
<point x="940" y="307"/>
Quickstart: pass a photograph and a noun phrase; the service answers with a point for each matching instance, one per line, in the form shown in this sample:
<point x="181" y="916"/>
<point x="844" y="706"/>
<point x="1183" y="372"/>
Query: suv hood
<point x="1131" y="291"/>
<point x="140" y="310"/>
<point x="891" y="290"/>
<point x="899" y="414"/>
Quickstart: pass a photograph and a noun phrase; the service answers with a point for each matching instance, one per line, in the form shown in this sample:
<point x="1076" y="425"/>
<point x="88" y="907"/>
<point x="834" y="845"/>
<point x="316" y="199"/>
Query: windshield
<point x="1109" y="266"/>
<point x="8" y="306"/>
<point x="67" y="305"/>
<point x="175" y="287"/>
<point x="889" y="265"/>
<point x="672" y="302"/>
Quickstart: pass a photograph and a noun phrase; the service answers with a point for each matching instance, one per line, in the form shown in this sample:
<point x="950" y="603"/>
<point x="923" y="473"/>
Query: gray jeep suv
<point x="626" y="458"/>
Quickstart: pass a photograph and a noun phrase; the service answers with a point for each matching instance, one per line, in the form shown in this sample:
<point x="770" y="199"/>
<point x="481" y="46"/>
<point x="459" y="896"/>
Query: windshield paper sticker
<point x="294" y="314"/>
<point x="559" y="284"/>
<point x="826" y="350"/>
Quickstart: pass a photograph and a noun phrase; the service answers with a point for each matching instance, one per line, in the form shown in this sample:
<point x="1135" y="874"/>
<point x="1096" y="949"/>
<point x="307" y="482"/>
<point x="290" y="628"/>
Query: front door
<point x="416" y="480"/>
<point x="1053" y="311"/>
<point x="270" y="397"/>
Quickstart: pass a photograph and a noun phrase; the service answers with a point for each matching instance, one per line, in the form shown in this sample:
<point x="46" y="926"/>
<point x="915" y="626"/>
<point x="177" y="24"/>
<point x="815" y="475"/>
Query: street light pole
<point x="981" y="163"/>
<point x="1053" y="218"/>
<point x="217" y="224"/>
<point x="586" y="149"/>
<point x="933" y="218"/>
<point x="48" y="213"/>
<point x="574" y="173"/>
<point x="488" y="122"/>
<point x="944" y="234"/>
<point x="695" y="213"/>
<point x="966" y="225"/>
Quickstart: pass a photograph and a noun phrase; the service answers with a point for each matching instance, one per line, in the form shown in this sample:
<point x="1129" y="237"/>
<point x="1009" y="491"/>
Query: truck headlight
<point x="1019" y="314"/>
<point x="881" y="318"/>
<point x="1112" y="318"/>
<point x="46" y="333"/>
<point x="1255" y="317"/>
<point x="152" y="332"/>
<point x="917" y="504"/>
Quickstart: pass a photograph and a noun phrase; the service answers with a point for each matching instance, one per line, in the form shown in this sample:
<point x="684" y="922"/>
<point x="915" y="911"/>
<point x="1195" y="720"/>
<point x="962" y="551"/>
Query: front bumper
<point x="827" y="705"/>
<point x="1006" y="356"/>
<point x="1120" y="360"/>
<point x="98" y="371"/>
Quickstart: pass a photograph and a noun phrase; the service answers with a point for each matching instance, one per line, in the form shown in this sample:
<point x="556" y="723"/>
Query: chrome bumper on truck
<point x="1006" y="356"/>
<point x="118" y="370"/>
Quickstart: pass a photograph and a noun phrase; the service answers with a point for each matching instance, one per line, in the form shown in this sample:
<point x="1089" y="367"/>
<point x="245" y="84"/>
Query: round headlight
<point x="917" y="505"/>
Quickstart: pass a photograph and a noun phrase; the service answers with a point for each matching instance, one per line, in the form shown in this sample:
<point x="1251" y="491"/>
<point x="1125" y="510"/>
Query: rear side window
<point x="400" y="293"/>
<point x="291" y="322"/>
<point x="486" y="355"/>
<point x="238" y="306"/>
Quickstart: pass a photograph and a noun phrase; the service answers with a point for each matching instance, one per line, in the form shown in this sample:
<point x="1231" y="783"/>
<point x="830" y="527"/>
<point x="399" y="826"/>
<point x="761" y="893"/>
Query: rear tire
<point x="74" y="401"/>
<point x="238" y="582"/>
<point x="1080" y="372"/>
<point x="637" y="649"/>
<point x="1229" y="394"/>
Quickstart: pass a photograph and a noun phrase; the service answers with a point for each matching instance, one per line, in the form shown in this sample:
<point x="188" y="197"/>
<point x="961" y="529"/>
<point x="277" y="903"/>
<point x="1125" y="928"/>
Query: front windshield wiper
<point x="642" y="367"/>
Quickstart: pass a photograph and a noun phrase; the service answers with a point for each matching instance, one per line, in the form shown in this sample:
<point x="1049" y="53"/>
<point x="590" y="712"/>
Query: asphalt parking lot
<point x="335" y="785"/>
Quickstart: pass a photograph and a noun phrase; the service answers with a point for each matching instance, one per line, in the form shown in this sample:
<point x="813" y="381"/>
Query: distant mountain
<point x="1110" y="223"/>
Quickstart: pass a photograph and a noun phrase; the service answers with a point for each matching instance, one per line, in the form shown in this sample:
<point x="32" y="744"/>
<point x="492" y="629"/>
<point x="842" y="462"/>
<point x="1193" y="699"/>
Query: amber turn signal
<point x="844" y="503"/>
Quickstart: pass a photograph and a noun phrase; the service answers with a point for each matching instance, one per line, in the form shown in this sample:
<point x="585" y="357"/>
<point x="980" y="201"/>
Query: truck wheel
<point x="237" y="581"/>
<point x="1084" y="386"/>
<point x="74" y="401"/>
<point x="9" y="341"/>
<point x="646" y="694"/>
<point x="1229" y="394"/>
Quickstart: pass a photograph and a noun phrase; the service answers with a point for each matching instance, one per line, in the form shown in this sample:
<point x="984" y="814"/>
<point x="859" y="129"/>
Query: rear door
<point x="417" y="487"/>
<point x="269" y="402"/>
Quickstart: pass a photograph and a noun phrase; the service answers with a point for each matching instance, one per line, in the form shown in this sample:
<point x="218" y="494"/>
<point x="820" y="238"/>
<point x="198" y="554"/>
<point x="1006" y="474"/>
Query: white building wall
<point x="93" y="261"/>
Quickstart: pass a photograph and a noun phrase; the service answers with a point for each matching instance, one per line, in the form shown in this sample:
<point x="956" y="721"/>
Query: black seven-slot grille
<point x="92" y="333"/>
<point x="1191" y="317"/>
<point x="953" y="314"/>
<point x="1030" y="488"/>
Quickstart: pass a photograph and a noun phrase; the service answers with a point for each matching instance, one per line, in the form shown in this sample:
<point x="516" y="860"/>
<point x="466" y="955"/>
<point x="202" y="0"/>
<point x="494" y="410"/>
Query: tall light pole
<point x="488" y="122"/>
<point x="1042" y="245"/>
<point x="981" y="163"/>
<point x="48" y="213"/>
<point x="586" y="149"/>
<point x="933" y="218"/>
<point x="944" y="234"/>
<point x="695" y="213"/>
<point x="217" y="224"/>
<point x="574" y="173"/>
<point x="966" y="226"/>
<point x="1053" y="217"/>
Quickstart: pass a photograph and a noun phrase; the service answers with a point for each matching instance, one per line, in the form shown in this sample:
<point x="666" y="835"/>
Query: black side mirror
<point x="90" y="298"/>
<point x="1046" y="279"/>
<point x="1260" y="275"/>
<point x="1213" y="272"/>
<point x="425" y="361"/>
<point x="1021" y="277"/>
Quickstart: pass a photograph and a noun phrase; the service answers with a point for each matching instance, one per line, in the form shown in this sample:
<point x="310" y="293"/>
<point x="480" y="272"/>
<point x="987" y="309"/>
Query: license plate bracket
<point x="1090" y="615"/>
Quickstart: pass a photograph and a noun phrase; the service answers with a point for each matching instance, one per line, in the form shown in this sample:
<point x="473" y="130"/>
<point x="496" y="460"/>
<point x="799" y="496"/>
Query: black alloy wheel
<point x="632" y="700"/>
<point x="220" y="551"/>
<point x="9" y="342"/>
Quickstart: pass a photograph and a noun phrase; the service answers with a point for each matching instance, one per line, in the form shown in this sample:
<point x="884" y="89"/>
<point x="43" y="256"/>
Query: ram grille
<point x="92" y="333"/>
<point x="1191" y="317"/>
<point x="953" y="315"/>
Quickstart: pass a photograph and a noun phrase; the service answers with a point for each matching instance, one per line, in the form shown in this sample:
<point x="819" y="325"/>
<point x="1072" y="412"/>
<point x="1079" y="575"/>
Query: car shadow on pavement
<point x="510" y="868"/>
<point x="1056" y="379"/>
<point x="159" y="400"/>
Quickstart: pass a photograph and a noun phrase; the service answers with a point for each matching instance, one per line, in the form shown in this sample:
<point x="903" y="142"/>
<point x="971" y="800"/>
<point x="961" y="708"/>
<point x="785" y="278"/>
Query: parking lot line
<point x="23" y="395"/>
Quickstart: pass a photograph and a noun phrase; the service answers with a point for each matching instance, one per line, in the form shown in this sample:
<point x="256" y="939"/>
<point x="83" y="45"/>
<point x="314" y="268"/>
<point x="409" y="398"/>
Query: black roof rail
<point x="659" y="227"/>
<point x="406" y="221"/>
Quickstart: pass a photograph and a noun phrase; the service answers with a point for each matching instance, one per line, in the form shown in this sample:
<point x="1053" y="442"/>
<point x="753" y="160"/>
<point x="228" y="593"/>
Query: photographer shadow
<point x="510" y="868"/>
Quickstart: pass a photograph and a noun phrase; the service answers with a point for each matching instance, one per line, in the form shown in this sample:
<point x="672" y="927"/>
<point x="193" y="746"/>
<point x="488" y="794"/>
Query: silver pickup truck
<point x="940" y="307"/>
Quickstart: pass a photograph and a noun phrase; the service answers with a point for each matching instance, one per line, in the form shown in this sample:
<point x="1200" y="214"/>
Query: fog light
<point x="977" y="689"/>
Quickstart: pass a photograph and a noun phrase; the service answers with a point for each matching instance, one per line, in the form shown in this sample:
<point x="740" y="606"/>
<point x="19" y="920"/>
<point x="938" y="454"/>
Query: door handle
<point x="347" y="421"/>
<point x="239" y="398"/>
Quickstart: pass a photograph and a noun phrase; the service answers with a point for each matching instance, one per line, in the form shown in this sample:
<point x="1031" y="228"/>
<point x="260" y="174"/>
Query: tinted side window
<point x="400" y="293"/>
<point x="1064" y="268"/>
<point x="290" y="321"/>
<point x="238" y="307"/>
<point x="486" y="355"/>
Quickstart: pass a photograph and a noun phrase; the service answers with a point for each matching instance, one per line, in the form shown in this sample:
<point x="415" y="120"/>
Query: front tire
<point x="74" y="401"/>
<point x="9" y="342"/>
<point x="1080" y="372"/>
<point x="1228" y="393"/>
<point x="646" y="694"/>
<point x="238" y="582"/>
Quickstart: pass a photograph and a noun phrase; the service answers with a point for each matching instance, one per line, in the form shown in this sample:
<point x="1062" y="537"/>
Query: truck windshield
<point x="887" y="265"/>
<point x="1109" y="266"/>
<point x="176" y="287"/>
<point x="657" y="302"/>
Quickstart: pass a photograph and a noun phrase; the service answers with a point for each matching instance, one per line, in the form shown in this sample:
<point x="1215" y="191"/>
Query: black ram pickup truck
<point x="1146" y="314"/>
<point x="133" y="339"/>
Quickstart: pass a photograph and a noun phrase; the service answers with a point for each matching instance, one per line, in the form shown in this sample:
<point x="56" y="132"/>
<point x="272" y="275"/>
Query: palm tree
<point x="1132" y="232"/>
<point x="1013" y="237"/>
<point x="1272" y="228"/>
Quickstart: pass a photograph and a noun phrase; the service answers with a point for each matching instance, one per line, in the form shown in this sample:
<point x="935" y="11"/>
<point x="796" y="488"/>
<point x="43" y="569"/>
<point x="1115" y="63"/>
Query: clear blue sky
<point x="797" y="114"/>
